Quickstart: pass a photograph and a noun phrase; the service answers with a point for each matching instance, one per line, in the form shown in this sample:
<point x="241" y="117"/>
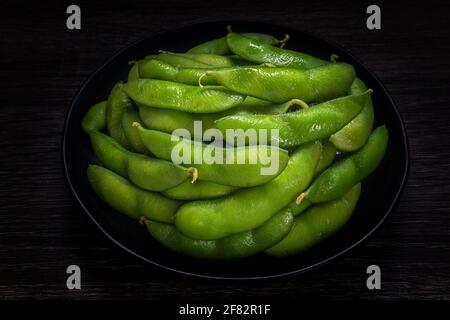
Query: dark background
<point x="42" y="230"/>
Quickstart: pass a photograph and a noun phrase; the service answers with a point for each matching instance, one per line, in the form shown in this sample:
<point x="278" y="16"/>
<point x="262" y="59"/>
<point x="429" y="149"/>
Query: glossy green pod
<point x="282" y="84"/>
<point x="326" y="159"/>
<point x="239" y="245"/>
<point x="129" y="117"/>
<point x="260" y="163"/>
<point x="118" y="103"/>
<point x="160" y="70"/>
<point x="182" y="97"/>
<point x="327" y="156"/>
<point x="259" y="51"/>
<point x="355" y="134"/>
<point x="209" y="59"/>
<point x="128" y="199"/>
<point x="220" y="46"/>
<point x="95" y="118"/>
<point x="341" y="176"/>
<point x="169" y="120"/>
<point x="145" y="172"/>
<point x="179" y="61"/>
<point x="299" y="208"/>
<point x="249" y="208"/>
<point x="317" y="224"/>
<point x="295" y="128"/>
<point x="199" y="190"/>
<point x="133" y="74"/>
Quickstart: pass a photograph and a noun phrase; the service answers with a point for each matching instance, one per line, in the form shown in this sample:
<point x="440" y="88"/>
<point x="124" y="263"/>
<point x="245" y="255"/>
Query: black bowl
<point x="380" y="191"/>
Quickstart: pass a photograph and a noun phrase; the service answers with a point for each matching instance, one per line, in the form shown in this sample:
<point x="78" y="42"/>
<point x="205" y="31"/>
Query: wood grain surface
<point x="42" y="230"/>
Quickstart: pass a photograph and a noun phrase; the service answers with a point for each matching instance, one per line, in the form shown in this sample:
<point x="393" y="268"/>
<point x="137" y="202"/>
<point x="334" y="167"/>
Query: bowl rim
<point x="302" y="270"/>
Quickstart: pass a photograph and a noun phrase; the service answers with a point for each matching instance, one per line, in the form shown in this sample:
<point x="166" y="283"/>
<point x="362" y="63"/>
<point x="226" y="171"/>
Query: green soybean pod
<point x="342" y="175"/>
<point x="299" y="208"/>
<point x="118" y="103"/>
<point x="134" y="71"/>
<point x="260" y="52"/>
<point x="317" y="224"/>
<point x="180" y="61"/>
<point x="166" y="120"/>
<point x="198" y="191"/>
<point x="239" y="245"/>
<point x="327" y="156"/>
<point x="355" y="134"/>
<point x="156" y="69"/>
<point x="145" y="172"/>
<point x="129" y="117"/>
<point x="182" y="97"/>
<point x="282" y="84"/>
<point x="128" y="199"/>
<point x="95" y="118"/>
<point x="249" y="208"/>
<point x="326" y="159"/>
<point x="160" y="70"/>
<point x="216" y="164"/>
<point x="220" y="46"/>
<point x="295" y="128"/>
<point x="169" y="120"/>
<point x="253" y="105"/>
<point x="209" y="59"/>
<point x="192" y="76"/>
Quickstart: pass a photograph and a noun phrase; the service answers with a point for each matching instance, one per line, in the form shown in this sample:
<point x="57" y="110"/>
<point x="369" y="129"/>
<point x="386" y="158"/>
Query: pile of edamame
<point x="325" y="145"/>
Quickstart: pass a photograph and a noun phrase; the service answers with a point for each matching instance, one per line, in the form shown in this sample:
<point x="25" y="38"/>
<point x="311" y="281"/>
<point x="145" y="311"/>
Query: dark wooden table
<point x="42" y="230"/>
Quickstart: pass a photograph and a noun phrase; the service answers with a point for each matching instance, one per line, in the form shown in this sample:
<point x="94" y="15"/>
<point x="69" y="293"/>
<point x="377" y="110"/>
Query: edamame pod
<point x="134" y="72"/>
<point x="355" y="134"/>
<point x="326" y="159"/>
<point x="327" y="156"/>
<point x="179" y="61"/>
<point x="123" y="196"/>
<point x="95" y="118"/>
<point x="235" y="246"/>
<point x="299" y="208"/>
<point x="212" y="60"/>
<point x="216" y="164"/>
<point x="145" y="172"/>
<point x="260" y="52"/>
<point x="253" y="105"/>
<point x="317" y="224"/>
<point x="160" y="70"/>
<point x="198" y="191"/>
<point x="169" y="120"/>
<point x="249" y="208"/>
<point x="281" y="84"/>
<point x="295" y="128"/>
<point x="220" y="46"/>
<point x="129" y="117"/>
<point x="182" y="97"/>
<point x="342" y="175"/>
<point x="118" y="103"/>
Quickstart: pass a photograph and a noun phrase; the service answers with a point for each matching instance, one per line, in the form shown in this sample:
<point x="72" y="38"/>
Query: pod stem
<point x="229" y="29"/>
<point x="200" y="79"/>
<point x="300" y="198"/>
<point x="283" y="41"/>
<point x="132" y="62"/>
<point x="194" y="173"/>
<point x="334" y="58"/>
<point x="268" y="65"/>
<point x="297" y="102"/>
<point x="136" y="124"/>
<point x="142" y="220"/>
